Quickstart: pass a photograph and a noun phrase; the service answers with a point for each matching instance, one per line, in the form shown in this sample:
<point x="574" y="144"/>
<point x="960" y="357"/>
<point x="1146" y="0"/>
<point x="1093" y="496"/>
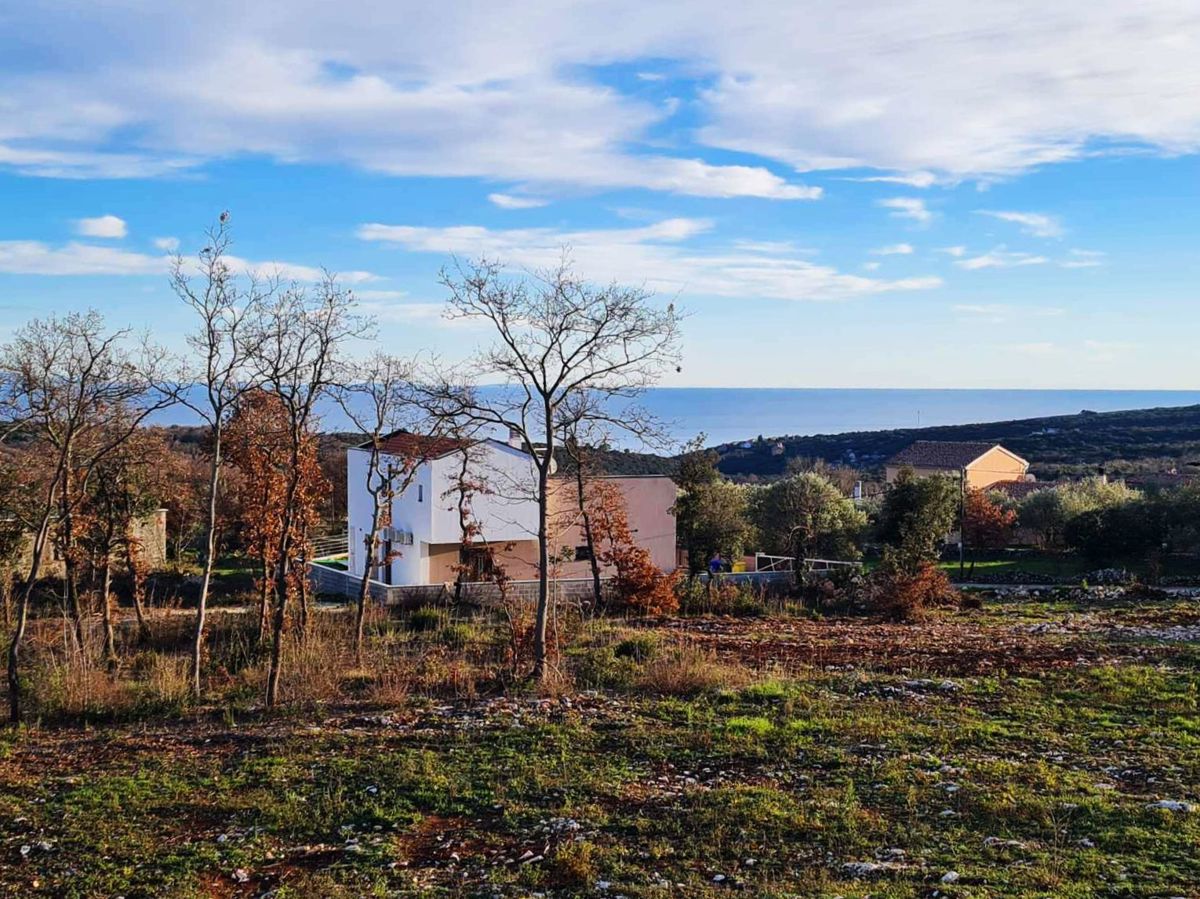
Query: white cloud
<point x="106" y="226"/>
<point x="871" y="266"/>
<point x="290" y="271"/>
<point x="1000" y="258"/>
<point x="507" y="201"/>
<point x="654" y="255"/>
<point x="999" y="313"/>
<point x="317" y="92"/>
<point x="1035" y="348"/>
<point x="1036" y="223"/>
<point x="31" y="257"/>
<point x="908" y="208"/>
<point x="1107" y="350"/>
<point x="895" y="249"/>
<point x="957" y="252"/>
<point x="371" y="295"/>
<point x="912" y="179"/>
<point x="88" y="164"/>
<point x="912" y="88"/>
<point x="963" y="89"/>
<point x="167" y="244"/>
<point x="1085" y="352"/>
<point x="1083" y="259"/>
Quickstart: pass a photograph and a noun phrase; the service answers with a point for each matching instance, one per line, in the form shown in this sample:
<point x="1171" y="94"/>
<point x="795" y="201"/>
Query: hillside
<point x="1141" y="439"/>
<point x="1128" y="441"/>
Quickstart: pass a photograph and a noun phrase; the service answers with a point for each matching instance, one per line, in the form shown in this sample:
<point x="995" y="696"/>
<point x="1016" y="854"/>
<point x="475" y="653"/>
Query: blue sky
<point x="897" y="194"/>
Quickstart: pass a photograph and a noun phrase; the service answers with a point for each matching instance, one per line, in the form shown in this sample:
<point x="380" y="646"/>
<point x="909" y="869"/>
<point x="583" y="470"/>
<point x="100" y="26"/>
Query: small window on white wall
<point x="420" y="493"/>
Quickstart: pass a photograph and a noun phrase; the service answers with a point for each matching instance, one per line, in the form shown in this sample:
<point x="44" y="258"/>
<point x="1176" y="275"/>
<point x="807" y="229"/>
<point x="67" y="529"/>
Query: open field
<point x="1033" y="749"/>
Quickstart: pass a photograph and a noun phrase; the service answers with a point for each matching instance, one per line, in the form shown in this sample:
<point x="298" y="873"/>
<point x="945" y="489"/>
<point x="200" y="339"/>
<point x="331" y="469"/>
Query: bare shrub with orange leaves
<point x="900" y="594"/>
<point x="257" y="447"/>
<point x="638" y="585"/>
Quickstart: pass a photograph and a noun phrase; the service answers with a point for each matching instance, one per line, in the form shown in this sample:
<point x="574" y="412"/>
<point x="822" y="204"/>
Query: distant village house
<point x="980" y="465"/>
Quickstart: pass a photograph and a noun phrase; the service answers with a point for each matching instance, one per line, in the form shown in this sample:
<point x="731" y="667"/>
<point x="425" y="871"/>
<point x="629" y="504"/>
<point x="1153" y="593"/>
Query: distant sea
<point x="731" y="414"/>
<point x="726" y="415"/>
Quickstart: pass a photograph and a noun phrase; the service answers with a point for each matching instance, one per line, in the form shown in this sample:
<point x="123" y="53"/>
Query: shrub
<point x="750" y="725"/>
<point x="970" y="601"/>
<point x="456" y="635"/>
<point x="688" y="671"/>
<point x="639" y="648"/>
<point x="638" y="585"/>
<point x="838" y="588"/>
<point x="720" y="597"/>
<point x="900" y="595"/>
<point x="426" y="619"/>
<point x="601" y="668"/>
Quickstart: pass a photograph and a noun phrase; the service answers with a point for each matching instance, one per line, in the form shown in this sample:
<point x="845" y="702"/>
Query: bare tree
<point x="377" y="395"/>
<point x="580" y="459"/>
<point x="63" y="379"/>
<point x="299" y="336"/>
<point x="556" y="337"/>
<point x="130" y="483"/>
<point x="476" y="557"/>
<point x="218" y="376"/>
<point x="585" y="422"/>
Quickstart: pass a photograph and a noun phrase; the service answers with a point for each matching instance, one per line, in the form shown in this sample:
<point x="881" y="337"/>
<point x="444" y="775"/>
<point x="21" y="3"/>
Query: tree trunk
<point x="137" y="579"/>
<point x="280" y="619"/>
<point x="364" y="585"/>
<point x="282" y="587"/>
<point x="543" y="604"/>
<point x="14" y="654"/>
<point x="6" y="595"/>
<point x="71" y="570"/>
<point x="110" y="636"/>
<point x="264" y="604"/>
<point x="303" y="598"/>
<point x="18" y="635"/>
<point x="464" y="529"/>
<point x="588" y="537"/>
<point x="210" y="548"/>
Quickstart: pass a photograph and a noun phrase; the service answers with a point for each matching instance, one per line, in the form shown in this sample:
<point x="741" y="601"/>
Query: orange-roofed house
<point x="978" y="464"/>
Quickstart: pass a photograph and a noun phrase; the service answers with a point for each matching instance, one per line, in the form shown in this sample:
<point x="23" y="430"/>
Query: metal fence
<point x="327" y="547"/>
<point x="337" y="582"/>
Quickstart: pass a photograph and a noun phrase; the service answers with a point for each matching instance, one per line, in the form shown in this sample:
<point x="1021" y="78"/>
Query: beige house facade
<point x="978" y="464"/>
<point x="648" y="501"/>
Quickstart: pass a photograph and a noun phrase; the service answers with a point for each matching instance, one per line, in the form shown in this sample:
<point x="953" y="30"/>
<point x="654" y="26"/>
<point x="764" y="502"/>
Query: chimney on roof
<point x="858" y="489"/>
<point x="515" y="440"/>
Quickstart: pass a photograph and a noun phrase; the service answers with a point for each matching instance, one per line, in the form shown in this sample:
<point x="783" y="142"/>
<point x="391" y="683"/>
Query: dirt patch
<point x="941" y="647"/>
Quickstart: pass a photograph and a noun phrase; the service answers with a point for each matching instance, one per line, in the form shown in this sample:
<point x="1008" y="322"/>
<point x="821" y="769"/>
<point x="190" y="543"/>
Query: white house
<point x="425" y="522"/>
<point x="424" y="540"/>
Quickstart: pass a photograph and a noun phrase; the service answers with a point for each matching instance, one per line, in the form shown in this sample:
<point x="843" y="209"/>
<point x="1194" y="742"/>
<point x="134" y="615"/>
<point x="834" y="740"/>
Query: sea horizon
<point x="733" y="414"/>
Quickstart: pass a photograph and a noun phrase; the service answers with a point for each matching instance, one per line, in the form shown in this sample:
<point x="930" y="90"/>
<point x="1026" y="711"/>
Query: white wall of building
<point x="428" y="509"/>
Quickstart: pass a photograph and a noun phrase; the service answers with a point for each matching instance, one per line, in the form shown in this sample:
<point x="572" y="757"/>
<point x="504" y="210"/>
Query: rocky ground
<point x="1038" y="747"/>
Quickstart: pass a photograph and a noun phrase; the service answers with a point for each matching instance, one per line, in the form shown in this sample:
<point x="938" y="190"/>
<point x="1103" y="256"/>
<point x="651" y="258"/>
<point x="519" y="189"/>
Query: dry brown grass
<point x="687" y="670"/>
<point x="462" y="658"/>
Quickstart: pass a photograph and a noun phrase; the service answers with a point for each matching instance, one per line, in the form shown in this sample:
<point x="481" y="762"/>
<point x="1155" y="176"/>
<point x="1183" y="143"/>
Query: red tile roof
<point x="420" y="446"/>
<point x="940" y="454"/>
<point x="1019" y="489"/>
